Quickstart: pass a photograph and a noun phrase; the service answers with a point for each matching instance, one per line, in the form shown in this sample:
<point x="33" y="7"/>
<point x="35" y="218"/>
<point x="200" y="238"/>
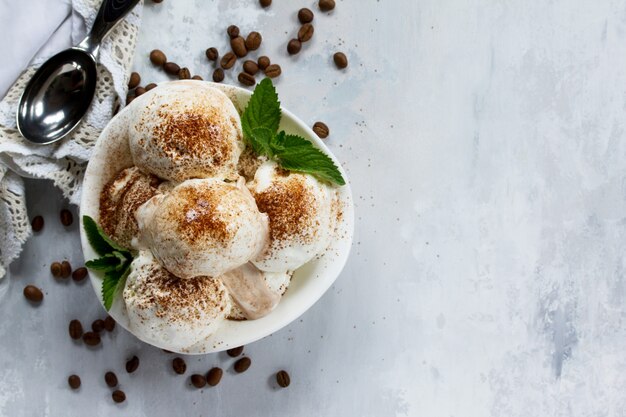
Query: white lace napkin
<point x="64" y="162"/>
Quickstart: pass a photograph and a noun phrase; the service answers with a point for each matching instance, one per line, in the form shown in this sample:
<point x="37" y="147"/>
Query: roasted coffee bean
<point x="97" y="326"/>
<point x="305" y="15"/>
<point x="134" y="80"/>
<point x="171" y="68"/>
<point x="246" y="79"/>
<point x="250" y="67"/>
<point x="326" y="5"/>
<point x="76" y="329"/>
<point x="91" y="338"/>
<point x="198" y="380"/>
<point x="157" y="1"/>
<point x="253" y="41"/>
<point x="234" y="352"/>
<point x="109" y="324"/>
<point x="212" y="54"/>
<point x="111" y="379"/>
<point x="150" y="86"/>
<point x="265" y="3"/>
<point x="179" y="365"/>
<point x="129" y="98"/>
<point x="74" y="381"/>
<point x="294" y="46"/>
<point x="242" y="364"/>
<point x="228" y="60"/>
<point x="56" y="269"/>
<point x="196" y="77"/>
<point x="214" y="376"/>
<point x="184" y="74"/>
<point x="321" y="130"/>
<point x="37" y="223"/>
<point x="157" y="57"/>
<point x="139" y="91"/>
<point x="341" y="61"/>
<point x="79" y="274"/>
<point x="238" y="46"/>
<point x="263" y="62"/>
<point x="33" y="294"/>
<point x="282" y="378"/>
<point x="233" y="31"/>
<point x="218" y="75"/>
<point x="306" y="32"/>
<point x="66" y="217"/>
<point x="132" y="364"/>
<point x="273" y="71"/>
<point x="66" y="269"/>
<point x="118" y="396"/>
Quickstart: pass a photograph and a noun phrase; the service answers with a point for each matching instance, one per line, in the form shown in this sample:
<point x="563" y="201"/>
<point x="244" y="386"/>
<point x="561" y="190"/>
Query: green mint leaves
<point x="260" y="121"/>
<point x="114" y="260"/>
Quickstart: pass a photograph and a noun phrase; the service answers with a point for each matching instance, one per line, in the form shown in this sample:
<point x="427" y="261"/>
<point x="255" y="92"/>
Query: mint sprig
<point x="114" y="260"/>
<point x="260" y="122"/>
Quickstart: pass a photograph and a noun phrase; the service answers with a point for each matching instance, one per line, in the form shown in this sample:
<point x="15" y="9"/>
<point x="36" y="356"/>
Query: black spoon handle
<point x="109" y="15"/>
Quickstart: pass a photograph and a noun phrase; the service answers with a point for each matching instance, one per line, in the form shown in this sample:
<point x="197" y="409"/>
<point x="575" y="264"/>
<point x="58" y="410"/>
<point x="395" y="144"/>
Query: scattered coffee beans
<point x="214" y="376"/>
<point x="321" y="130"/>
<point x="66" y="217"/>
<point x="233" y="31"/>
<point x="198" y="380"/>
<point x="341" y="60"/>
<point x="74" y="381"/>
<point x="246" y="79"/>
<point x="242" y="364"/>
<point x="253" y="41"/>
<point x="111" y="379"/>
<point x="139" y="91"/>
<point x="179" y="365"/>
<point x="282" y="378"/>
<point x="150" y="86"/>
<point x="97" y="326"/>
<point x="250" y="67"/>
<point x="212" y="54"/>
<point x="157" y="57"/>
<point x="273" y="71"/>
<point x="306" y="32"/>
<point x="56" y="269"/>
<point x="76" y="329"/>
<point x="118" y="396"/>
<point x="33" y="294"/>
<point x="305" y="15"/>
<point x="184" y="74"/>
<point x="132" y="364"/>
<point x="79" y="274"/>
<point x="228" y="60"/>
<point x="134" y="80"/>
<point x="263" y="62"/>
<point x="218" y="75"/>
<point x="66" y="269"/>
<point x="294" y="46"/>
<point x="171" y="68"/>
<point x="238" y="46"/>
<point x="196" y="77"/>
<point x="91" y="338"/>
<point x="109" y="324"/>
<point x="326" y="5"/>
<point x="37" y="223"/>
<point x="265" y="3"/>
<point x="129" y="98"/>
<point x="234" y="352"/>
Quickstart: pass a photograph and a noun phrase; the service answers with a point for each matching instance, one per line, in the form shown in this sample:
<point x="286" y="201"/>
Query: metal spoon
<point x="59" y="94"/>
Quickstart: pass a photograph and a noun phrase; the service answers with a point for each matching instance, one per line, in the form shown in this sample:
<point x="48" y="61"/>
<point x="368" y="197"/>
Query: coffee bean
<point x="253" y="41"/>
<point x="214" y="376"/>
<point x="109" y="324"/>
<point x="150" y="86"/>
<point x="37" y="223"/>
<point x="273" y="71"/>
<point x="282" y="378"/>
<point x="139" y="91"/>
<point x="341" y="61"/>
<point x="246" y="79"/>
<point x="306" y="32"/>
<point x="157" y="57"/>
<point x="129" y="98"/>
<point x="118" y="396"/>
<point x="97" y="326"/>
<point x="238" y="46"/>
<point x="157" y="1"/>
<point x="198" y="380"/>
<point x="111" y="379"/>
<point x="212" y="54"/>
<point x="233" y="31"/>
<point x="134" y="80"/>
<point x="326" y="5"/>
<point x="79" y="274"/>
<point x="265" y="3"/>
<point x="234" y="352"/>
<point x="132" y="364"/>
<point x="294" y="46"/>
<point x="184" y="74"/>
<point x="74" y="381"/>
<point x="305" y="15"/>
<point x="250" y="67"/>
<point x="66" y="269"/>
<point x="56" y="269"/>
<point x="242" y="364"/>
<point x="171" y="68"/>
<point x="218" y="75"/>
<point x="179" y="365"/>
<point x="76" y="329"/>
<point x="33" y="294"/>
<point x="196" y="77"/>
<point x="228" y="60"/>
<point x="91" y="338"/>
<point x="263" y="62"/>
<point x="321" y="130"/>
<point x="66" y="217"/>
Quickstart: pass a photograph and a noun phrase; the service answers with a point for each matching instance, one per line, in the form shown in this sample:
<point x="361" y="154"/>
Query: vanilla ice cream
<point x="203" y="227"/>
<point x="186" y="129"/>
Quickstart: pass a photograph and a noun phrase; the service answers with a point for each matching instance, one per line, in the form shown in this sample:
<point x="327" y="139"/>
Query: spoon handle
<point x="109" y="15"/>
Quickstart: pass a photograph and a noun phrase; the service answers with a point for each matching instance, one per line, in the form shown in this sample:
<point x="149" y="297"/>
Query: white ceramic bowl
<point x="309" y="283"/>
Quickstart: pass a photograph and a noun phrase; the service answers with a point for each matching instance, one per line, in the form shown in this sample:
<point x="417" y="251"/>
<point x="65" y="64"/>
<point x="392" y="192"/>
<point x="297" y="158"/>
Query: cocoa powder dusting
<point x="200" y="208"/>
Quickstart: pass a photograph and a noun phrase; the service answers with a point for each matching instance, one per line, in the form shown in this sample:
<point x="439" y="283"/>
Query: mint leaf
<point x="105" y="263"/>
<point x="98" y="240"/>
<point x="261" y="137"/>
<point x="261" y="118"/>
<point x="295" y="153"/>
<point x="112" y="280"/>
